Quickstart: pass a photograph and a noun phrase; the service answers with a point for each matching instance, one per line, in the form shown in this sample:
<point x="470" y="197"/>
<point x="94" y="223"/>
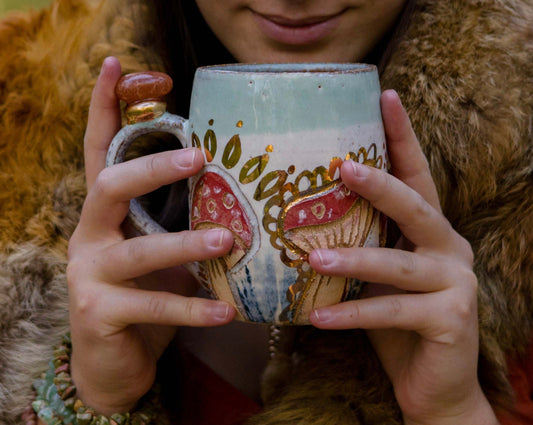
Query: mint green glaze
<point x="281" y="98"/>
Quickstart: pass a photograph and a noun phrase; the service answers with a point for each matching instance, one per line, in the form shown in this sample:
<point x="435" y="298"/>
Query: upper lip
<point x="297" y="22"/>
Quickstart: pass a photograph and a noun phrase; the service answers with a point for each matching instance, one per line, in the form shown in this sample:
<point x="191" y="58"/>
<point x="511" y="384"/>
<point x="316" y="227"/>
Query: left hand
<point x="422" y="316"/>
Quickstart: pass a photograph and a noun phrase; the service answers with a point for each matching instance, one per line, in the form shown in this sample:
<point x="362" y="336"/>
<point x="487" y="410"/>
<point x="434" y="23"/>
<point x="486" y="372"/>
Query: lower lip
<point x="296" y="35"/>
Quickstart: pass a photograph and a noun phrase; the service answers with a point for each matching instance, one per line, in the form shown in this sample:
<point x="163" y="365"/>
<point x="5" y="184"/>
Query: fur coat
<point x="464" y="71"/>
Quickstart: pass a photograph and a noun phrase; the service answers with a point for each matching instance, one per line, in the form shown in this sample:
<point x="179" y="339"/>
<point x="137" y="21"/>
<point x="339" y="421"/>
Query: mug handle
<point x="168" y="123"/>
<point x="145" y="112"/>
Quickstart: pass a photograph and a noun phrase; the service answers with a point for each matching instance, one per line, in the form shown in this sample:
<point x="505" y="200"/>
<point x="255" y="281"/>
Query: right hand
<point x="128" y="295"/>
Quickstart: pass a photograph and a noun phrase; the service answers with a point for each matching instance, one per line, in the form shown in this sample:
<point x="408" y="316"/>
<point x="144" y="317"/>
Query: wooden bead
<point x="143" y="86"/>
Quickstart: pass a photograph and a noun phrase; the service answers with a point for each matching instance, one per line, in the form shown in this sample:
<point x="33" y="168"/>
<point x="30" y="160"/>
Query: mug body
<point x="274" y="137"/>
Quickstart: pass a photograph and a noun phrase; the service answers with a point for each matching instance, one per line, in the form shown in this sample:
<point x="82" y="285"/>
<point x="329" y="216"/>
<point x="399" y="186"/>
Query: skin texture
<point x="360" y="25"/>
<point x="423" y="323"/>
<point x="107" y="304"/>
<point x="125" y="306"/>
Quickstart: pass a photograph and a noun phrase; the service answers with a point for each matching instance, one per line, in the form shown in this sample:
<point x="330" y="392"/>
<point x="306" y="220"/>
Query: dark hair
<point x="185" y="42"/>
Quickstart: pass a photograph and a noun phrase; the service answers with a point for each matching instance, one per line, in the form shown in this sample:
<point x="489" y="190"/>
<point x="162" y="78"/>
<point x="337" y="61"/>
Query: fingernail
<point x="185" y="158"/>
<point x="360" y="170"/>
<point x="326" y="257"/>
<point x="215" y="238"/>
<point x="104" y="64"/>
<point x="323" y="315"/>
<point x="107" y="63"/>
<point x="393" y="93"/>
<point x="220" y="311"/>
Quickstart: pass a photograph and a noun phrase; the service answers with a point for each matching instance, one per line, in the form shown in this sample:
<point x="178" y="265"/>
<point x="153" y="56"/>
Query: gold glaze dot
<point x="228" y="200"/>
<point x="237" y="226"/>
<point x="318" y="209"/>
<point x="211" y="205"/>
<point x="211" y="121"/>
<point x="239" y="124"/>
<point x="269" y="148"/>
<point x="291" y="169"/>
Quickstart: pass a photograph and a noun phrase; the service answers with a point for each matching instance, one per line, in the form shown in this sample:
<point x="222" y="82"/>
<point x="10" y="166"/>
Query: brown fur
<point x="465" y="75"/>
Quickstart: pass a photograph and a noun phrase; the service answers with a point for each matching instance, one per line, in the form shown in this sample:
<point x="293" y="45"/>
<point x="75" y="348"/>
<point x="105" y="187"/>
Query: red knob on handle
<point x="142" y="86"/>
<point x="144" y="94"/>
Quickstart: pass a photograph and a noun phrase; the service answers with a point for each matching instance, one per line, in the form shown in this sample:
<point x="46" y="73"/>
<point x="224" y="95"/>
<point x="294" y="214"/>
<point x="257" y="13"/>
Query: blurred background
<point x="7" y="5"/>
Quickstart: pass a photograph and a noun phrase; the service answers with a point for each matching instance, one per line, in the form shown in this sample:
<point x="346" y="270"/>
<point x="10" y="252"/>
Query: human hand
<point x="128" y="295"/>
<point x="421" y="315"/>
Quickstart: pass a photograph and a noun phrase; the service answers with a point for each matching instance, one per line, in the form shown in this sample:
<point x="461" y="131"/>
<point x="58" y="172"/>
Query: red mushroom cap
<point x="323" y="207"/>
<point x="215" y="202"/>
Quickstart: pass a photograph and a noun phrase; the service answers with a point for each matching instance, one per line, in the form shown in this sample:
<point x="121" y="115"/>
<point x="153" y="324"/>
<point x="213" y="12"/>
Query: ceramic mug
<point x="274" y="137"/>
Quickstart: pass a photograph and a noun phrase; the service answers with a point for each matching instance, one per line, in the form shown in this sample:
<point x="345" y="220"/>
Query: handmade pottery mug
<point x="274" y="137"/>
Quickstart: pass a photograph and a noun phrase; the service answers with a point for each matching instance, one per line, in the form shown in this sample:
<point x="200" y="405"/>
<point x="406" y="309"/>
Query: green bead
<point x="46" y="414"/>
<point x="69" y="403"/>
<point x="61" y="387"/>
<point x="60" y="351"/>
<point x="84" y="418"/>
<point x="68" y="393"/>
<point x="62" y="377"/>
<point x="120" y="419"/>
<point x="139" y="419"/>
<point x="102" y="420"/>
<point x="38" y="405"/>
<point x="67" y="340"/>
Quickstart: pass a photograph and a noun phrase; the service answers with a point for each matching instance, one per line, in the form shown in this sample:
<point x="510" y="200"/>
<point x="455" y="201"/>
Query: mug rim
<point x="307" y="68"/>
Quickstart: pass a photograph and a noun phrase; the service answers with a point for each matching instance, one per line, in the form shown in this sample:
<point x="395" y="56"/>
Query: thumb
<point x="104" y="119"/>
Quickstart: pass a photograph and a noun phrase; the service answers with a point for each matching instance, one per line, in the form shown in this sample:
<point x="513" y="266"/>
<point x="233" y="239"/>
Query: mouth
<point x="297" y="31"/>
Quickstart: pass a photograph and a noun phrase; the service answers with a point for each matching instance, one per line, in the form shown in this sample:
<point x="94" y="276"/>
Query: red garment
<point x="213" y="401"/>
<point x="521" y="377"/>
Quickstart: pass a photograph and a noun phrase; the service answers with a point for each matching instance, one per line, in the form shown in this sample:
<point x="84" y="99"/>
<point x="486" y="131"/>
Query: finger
<point x="419" y="222"/>
<point x="139" y="256"/>
<point x="408" y="162"/>
<point x="107" y="203"/>
<point x="104" y="119"/>
<point x="405" y="270"/>
<point x="435" y="316"/>
<point x="135" y="306"/>
<point x="388" y="311"/>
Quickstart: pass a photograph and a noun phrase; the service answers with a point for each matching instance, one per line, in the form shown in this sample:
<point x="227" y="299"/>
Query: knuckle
<point x="156" y="308"/>
<point x="185" y="242"/>
<point x="190" y="310"/>
<point x="151" y="165"/>
<point x="422" y="167"/>
<point x="394" y="307"/>
<point x="463" y="305"/>
<point x="463" y="310"/>
<point x="136" y="250"/>
<point x="466" y="249"/>
<point x="105" y="183"/>
<point x="74" y="272"/>
<point x="84" y="305"/>
<point x="421" y="208"/>
<point x="353" y="312"/>
<point x="408" y="264"/>
<point x="384" y="185"/>
<point x="471" y="283"/>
